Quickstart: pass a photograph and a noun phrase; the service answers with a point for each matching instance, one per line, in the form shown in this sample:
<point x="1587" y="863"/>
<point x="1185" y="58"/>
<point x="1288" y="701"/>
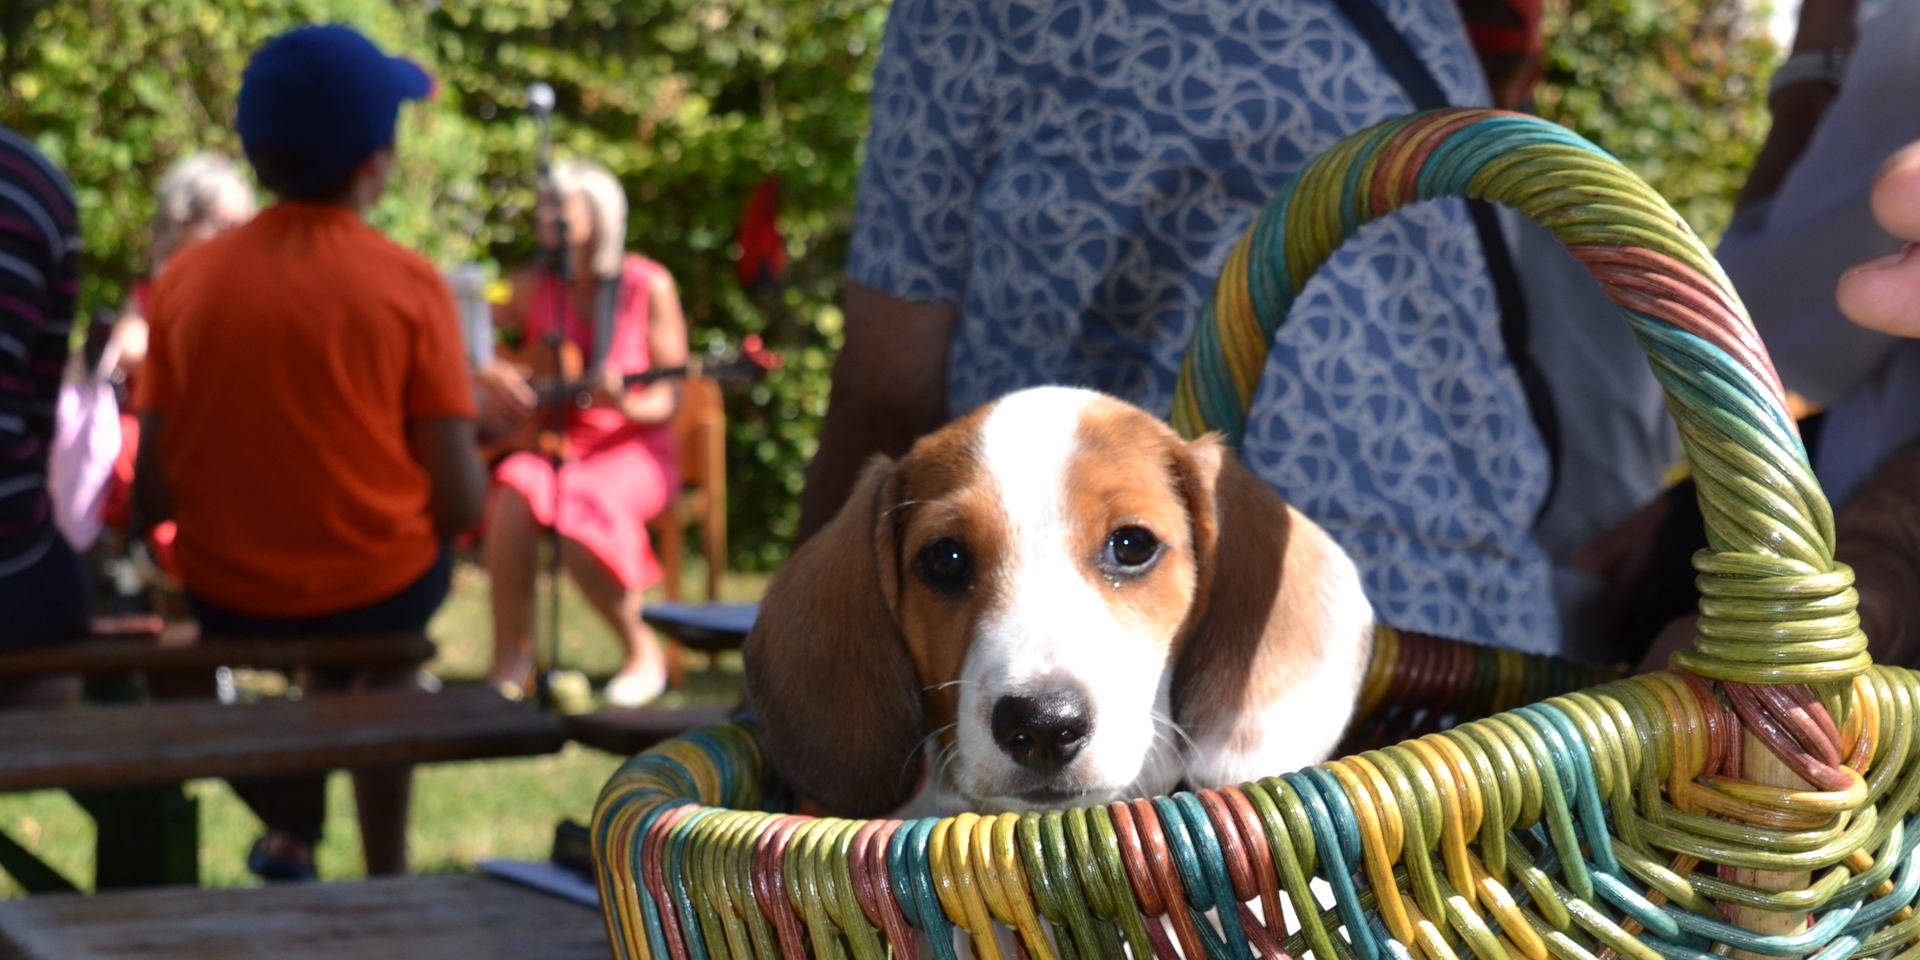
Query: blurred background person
<point x="307" y="416"/>
<point x="1506" y="39"/>
<point x="1879" y="528"/>
<point x="43" y="587"/>
<point x="200" y="197"/>
<point x="1884" y="293"/>
<point x="1841" y="107"/>
<point x="621" y="464"/>
<point x="1844" y="102"/>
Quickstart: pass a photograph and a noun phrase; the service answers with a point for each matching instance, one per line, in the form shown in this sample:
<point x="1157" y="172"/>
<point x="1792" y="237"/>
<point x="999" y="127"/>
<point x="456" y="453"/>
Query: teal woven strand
<point x="1327" y="836"/>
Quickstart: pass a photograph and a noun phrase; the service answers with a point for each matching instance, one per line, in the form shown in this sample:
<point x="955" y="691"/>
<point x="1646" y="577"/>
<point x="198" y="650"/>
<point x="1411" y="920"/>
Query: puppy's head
<point x="1016" y="599"/>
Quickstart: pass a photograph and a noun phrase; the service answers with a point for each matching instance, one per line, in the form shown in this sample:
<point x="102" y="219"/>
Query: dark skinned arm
<point x="889" y="389"/>
<point x="1878" y="535"/>
<point x="1797" y="109"/>
<point x="445" y="447"/>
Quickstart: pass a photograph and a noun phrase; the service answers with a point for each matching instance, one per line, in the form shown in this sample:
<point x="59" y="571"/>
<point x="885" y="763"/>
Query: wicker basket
<point x="1614" y="821"/>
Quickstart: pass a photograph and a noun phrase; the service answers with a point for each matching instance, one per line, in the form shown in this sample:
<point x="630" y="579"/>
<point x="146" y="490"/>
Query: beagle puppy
<point x="1058" y="602"/>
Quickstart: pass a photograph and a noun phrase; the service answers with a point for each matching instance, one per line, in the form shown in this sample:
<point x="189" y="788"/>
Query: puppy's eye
<point x="1130" y="548"/>
<point x="944" y="566"/>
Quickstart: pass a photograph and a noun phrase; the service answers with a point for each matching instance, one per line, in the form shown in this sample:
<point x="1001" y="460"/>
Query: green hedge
<point x="692" y="103"/>
<point x="1675" y="88"/>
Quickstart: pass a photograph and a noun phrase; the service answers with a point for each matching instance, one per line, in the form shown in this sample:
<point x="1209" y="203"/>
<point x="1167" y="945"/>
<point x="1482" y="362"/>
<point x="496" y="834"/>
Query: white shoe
<point x="634" y="689"/>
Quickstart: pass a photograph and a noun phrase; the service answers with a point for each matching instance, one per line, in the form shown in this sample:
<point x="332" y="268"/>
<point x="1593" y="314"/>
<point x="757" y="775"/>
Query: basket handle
<point x="1775" y="606"/>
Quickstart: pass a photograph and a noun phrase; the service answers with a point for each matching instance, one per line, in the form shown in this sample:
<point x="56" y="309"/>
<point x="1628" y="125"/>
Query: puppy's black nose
<point x="1042" y="733"/>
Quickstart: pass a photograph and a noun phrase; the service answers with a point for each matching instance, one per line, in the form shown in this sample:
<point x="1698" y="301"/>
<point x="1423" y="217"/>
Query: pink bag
<point x="86" y="439"/>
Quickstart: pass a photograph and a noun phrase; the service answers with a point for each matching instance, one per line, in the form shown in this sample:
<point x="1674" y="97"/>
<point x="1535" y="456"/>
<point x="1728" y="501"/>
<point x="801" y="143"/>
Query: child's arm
<point x="445" y="448"/>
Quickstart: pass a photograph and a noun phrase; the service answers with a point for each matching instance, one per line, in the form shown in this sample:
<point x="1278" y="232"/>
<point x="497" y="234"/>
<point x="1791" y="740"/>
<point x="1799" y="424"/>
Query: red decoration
<point x="763" y="253"/>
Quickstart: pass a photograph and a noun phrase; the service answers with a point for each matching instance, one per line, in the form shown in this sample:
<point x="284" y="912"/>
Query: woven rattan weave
<point x="1593" y="824"/>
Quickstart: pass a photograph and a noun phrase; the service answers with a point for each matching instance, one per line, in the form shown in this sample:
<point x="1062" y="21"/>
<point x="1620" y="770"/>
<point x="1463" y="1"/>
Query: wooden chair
<point x="701" y="430"/>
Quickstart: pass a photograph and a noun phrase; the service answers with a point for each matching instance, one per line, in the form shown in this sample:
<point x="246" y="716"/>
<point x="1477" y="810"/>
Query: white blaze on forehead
<point x="1026" y="444"/>
<point x="1052" y="624"/>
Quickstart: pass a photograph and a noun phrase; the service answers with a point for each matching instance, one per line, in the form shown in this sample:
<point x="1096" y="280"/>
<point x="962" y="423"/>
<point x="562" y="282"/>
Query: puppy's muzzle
<point x="1043" y="733"/>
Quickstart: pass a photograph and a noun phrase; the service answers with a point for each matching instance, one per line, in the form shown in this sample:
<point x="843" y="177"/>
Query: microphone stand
<point x="558" y="265"/>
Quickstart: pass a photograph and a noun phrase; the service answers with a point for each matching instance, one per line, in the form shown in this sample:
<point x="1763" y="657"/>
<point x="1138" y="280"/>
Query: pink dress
<point x="621" y="473"/>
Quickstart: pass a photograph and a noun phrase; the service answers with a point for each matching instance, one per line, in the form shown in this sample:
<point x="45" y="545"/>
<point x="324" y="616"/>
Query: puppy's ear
<point x="1279" y="634"/>
<point x="828" y="674"/>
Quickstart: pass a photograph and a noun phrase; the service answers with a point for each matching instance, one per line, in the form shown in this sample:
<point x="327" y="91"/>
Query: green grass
<point x="463" y="629"/>
<point x="462" y="812"/>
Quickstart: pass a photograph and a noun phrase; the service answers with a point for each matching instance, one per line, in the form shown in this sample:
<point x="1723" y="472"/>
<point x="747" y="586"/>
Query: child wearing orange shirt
<point x="307" y="414"/>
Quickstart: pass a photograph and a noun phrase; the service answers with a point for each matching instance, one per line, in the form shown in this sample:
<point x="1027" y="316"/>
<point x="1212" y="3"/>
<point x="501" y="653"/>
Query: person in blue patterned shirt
<point x="43" y="587"/>
<point x="1051" y="187"/>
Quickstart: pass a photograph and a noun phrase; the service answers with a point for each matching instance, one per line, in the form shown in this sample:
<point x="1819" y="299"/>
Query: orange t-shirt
<point x="288" y="355"/>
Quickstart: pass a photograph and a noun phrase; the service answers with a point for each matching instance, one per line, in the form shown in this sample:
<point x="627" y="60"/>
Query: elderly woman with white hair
<point x="622" y="467"/>
<point x="201" y="197"/>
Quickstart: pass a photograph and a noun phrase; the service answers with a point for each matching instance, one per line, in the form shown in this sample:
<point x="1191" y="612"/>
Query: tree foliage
<point x="1675" y="88"/>
<point x="691" y="102"/>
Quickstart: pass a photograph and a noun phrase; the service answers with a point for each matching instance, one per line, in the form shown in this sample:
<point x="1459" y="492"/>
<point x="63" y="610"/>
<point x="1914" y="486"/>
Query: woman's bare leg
<point x="621" y="607"/>
<point x="510" y="551"/>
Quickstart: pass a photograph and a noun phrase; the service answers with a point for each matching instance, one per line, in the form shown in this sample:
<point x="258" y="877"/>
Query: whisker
<point x="943" y="762"/>
<point x="934" y="766"/>
<point x="950" y="683"/>
<point x="935" y="734"/>
<point x="1164" y="731"/>
<point x="1161" y="718"/>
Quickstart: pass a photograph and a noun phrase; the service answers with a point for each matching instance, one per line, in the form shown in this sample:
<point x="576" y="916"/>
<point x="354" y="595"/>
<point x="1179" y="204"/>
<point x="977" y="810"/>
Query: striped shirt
<point x="39" y="277"/>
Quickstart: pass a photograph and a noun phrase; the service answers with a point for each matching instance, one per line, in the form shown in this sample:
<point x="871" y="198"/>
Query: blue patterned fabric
<point x="1074" y="172"/>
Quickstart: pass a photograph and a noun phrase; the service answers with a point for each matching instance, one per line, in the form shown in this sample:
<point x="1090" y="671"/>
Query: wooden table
<point x="628" y="731"/>
<point x="176" y="740"/>
<point x="163" y="654"/>
<point x="415" y="918"/>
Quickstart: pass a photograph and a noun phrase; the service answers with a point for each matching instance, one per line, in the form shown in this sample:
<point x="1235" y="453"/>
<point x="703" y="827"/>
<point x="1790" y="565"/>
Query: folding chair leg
<point x="668" y="542"/>
<point x="676" y="664"/>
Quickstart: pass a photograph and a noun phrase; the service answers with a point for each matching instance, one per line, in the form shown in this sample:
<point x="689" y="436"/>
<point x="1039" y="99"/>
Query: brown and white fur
<point x="979" y="599"/>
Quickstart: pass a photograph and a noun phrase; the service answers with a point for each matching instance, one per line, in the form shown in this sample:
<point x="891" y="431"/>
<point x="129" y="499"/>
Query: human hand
<point x="1884" y="293"/>
<point x="506" y="400"/>
<point x="608" y="390"/>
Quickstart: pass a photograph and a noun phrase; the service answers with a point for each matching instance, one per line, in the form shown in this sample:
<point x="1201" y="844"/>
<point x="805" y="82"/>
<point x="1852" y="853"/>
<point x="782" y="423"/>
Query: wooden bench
<point x="132" y="744"/>
<point x="168" y="654"/>
<point x="149" y="834"/>
<point x="631" y="730"/>
<point x="415" y="918"/>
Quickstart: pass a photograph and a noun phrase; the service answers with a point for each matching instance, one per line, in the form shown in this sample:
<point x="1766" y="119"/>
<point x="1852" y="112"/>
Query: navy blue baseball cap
<point x="317" y="101"/>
